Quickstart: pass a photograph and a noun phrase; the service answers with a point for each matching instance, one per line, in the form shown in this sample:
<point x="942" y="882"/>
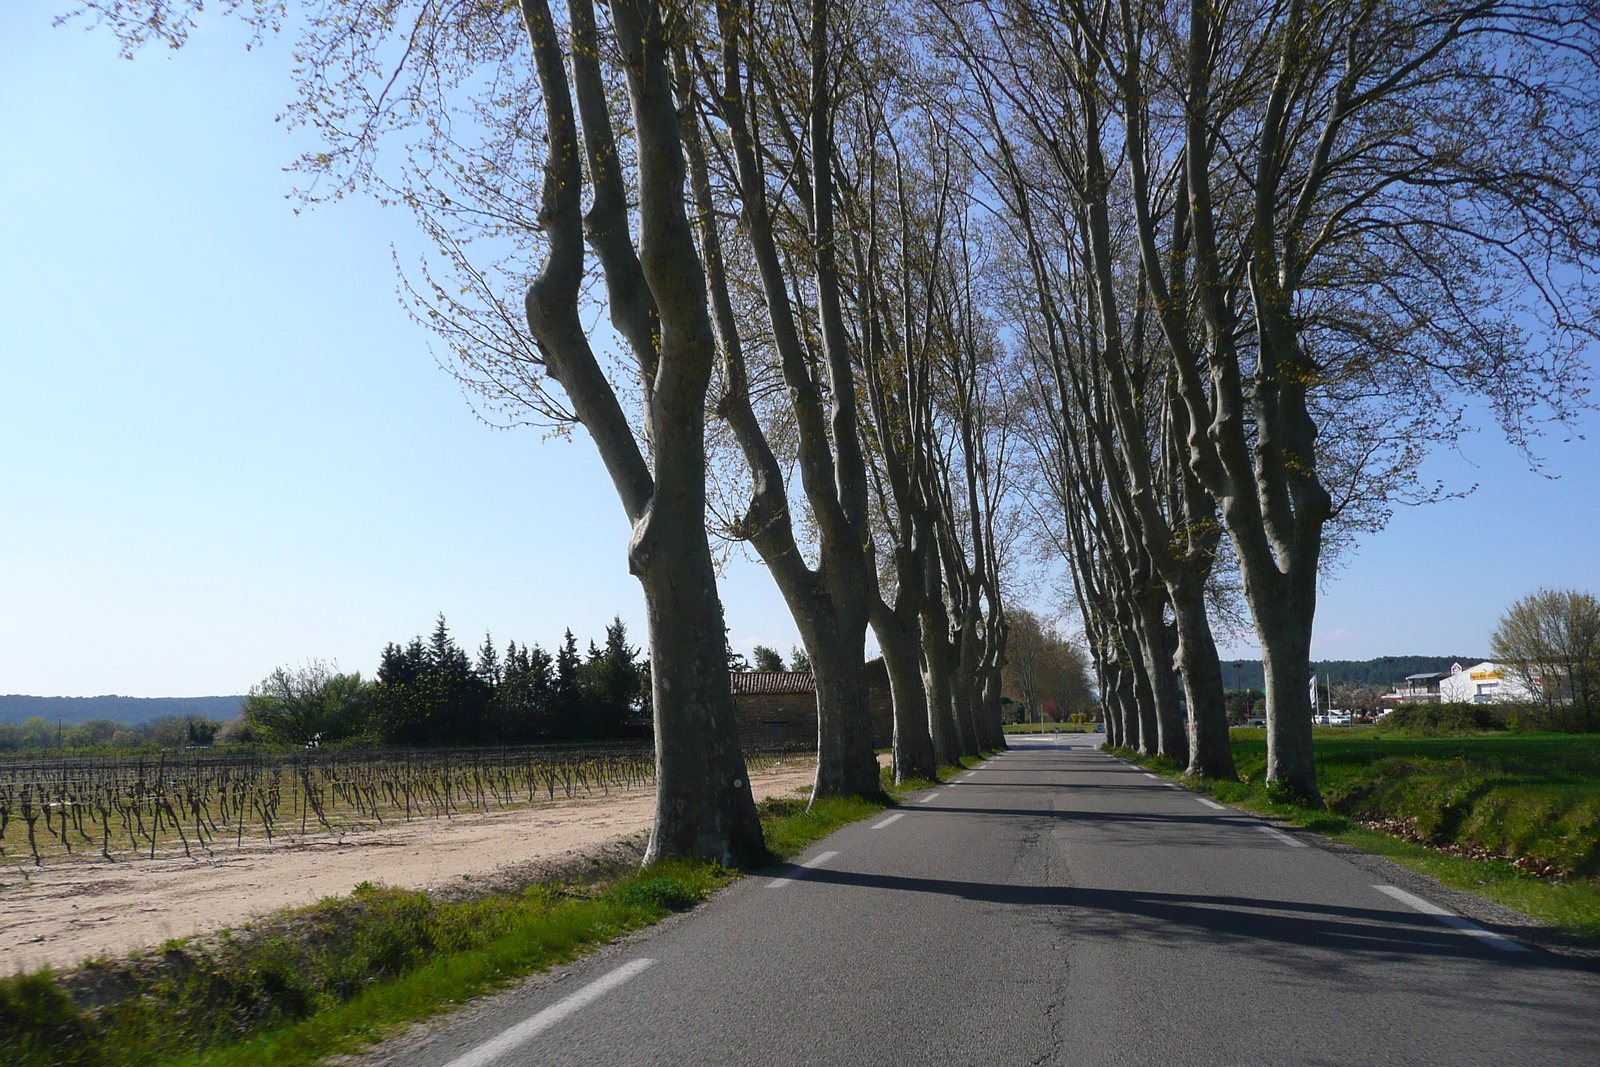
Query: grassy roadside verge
<point x="326" y="979"/>
<point x="1418" y="814"/>
<point x="342" y="974"/>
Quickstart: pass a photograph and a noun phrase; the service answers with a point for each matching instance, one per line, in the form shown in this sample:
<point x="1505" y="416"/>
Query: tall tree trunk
<point x="937" y="680"/>
<point x="704" y="805"/>
<point x="1283" y="629"/>
<point x="992" y="721"/>
<point x="963" y="690"/>
<point x="846" y="765"/>
<point x="1110" y="705"/>
<point x="1149" y="745"/>
<point x="831" y="604"/>
<point x="1156" y="650"/>
<point x="1122" y="677"/>
<point x="913" y="743"/>
<point x="1136" y="666"/>
<point x="1210" y="750"/>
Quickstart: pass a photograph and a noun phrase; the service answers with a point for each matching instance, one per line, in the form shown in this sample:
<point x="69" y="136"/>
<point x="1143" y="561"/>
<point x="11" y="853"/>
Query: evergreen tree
<point x="399" y="711"/>
<point x="615" y="679"/>
<point x="767" y="659"/>
<point x="737" y="664"/>
<point x="520" y="708"/>
<point x="567" y="705"/>
<point x="429" y="694"/>
<point x="488" y="668"/>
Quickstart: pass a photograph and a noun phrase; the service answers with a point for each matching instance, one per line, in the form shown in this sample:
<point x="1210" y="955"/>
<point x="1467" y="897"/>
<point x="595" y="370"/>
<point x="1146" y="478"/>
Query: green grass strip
<point x="790" y="826"/>
<point x="552" y="938"/>
<point x="1570" y="903"/>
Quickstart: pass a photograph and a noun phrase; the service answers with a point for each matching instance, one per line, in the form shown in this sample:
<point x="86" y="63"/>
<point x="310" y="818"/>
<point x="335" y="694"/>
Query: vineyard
<point x="149" y="806"/>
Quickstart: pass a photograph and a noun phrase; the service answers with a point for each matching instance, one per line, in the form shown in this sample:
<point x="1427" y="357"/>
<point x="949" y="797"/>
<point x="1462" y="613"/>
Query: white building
<point x="1487" y="683"/>
<point x="1417" y="689"/>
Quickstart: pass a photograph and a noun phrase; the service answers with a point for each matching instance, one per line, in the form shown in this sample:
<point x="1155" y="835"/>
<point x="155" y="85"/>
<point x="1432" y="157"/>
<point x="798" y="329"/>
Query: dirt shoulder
<point x="64" y="913"/>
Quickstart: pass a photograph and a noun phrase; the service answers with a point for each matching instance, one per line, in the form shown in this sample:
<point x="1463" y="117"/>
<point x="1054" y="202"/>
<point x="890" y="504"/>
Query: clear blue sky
<point x="224" y="447"/>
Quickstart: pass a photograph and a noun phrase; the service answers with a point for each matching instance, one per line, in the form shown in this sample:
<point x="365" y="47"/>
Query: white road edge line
<point x="896" y="817"/>
<point x="930" y="796"/>
<point x="1451" y="919"/>
<point x="1208" y="802"/>
<point x="1285" y="838"/>
<point x="525" y="1031"/>
<point x="815" y="861"/>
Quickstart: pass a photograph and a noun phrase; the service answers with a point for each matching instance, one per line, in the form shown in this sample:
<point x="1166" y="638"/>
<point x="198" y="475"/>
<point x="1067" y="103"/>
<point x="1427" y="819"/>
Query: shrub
<point x="1560" y="719"/>
<point x="1441" y="720"/>
<point x="37" y="1016"/>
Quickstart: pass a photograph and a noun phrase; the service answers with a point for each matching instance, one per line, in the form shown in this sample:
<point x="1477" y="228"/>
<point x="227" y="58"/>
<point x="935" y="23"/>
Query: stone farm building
<point x="781" y="706"/>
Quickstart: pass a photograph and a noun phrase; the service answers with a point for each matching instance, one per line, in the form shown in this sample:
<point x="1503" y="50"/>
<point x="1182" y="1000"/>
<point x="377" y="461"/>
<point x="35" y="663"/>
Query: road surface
<point x="1057" y="906"/>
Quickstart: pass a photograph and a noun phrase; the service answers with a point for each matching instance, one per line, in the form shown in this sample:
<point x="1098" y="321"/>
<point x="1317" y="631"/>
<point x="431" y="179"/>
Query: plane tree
<point x="1371" y="203"/>
<point x="1348" y="222"/>
<point x="764" y="83"/>
<point x="501" y="120"/>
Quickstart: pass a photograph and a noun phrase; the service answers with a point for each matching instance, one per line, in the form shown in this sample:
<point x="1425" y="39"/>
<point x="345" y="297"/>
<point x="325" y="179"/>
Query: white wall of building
<point x="1485" y="683"/>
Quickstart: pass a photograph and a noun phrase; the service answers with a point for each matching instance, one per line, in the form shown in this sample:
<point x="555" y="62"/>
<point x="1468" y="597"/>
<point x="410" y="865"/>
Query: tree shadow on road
<point x="1217" y="919"/>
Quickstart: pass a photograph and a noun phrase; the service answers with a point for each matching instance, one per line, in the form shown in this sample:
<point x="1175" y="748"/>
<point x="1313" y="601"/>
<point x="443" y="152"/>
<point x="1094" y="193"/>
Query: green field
<point x="1513" y="816"/>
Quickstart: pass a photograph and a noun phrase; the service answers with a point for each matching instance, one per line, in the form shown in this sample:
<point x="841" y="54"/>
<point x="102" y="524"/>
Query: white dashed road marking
<point x="520" y="1034"/>
<point x="930" y="796"/>
<point x="1450" y="918"/>
<point x="1283" y="837"/>
<point x="896" y="817"/>
<point x="1208" y="802"/>
<point x="800" y="871"/>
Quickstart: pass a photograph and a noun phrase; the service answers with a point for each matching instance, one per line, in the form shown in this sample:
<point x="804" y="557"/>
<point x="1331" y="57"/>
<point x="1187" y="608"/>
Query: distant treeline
<point x="164" y="731"/>
<point x="1385" y="670"/>
<point x="130" y="711"/>
<point x="430" y="692"/>
<point x="426" y="692"/>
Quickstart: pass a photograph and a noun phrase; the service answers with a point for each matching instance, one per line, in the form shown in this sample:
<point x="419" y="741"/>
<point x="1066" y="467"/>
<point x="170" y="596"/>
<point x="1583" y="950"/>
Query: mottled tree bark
<point x="831" y="603"/>
<point x="704" y="806"/>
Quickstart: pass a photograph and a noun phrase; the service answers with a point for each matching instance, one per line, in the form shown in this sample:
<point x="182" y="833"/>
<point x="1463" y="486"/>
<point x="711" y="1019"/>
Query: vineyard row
<point x="149" y="806"/>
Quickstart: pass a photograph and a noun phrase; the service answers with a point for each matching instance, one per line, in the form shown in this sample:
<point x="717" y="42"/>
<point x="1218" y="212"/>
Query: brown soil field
<point x="69" y="911"/>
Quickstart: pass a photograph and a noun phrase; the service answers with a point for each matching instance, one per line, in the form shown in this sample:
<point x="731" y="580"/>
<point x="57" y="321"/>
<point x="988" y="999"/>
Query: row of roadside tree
<point x="1168" y="300"/>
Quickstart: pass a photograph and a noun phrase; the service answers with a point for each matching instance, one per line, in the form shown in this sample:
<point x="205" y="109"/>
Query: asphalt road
<point x="1057" y="906"/>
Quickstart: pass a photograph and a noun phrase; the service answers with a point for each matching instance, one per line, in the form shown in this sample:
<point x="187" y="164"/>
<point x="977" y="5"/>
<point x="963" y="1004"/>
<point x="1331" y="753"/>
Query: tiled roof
<point x="752" y="682"/>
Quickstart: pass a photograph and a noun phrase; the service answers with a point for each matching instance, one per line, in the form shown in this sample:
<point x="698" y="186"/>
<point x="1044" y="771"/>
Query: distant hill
<point x="1385" y="670"/>
<point x="130" y="710"/>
